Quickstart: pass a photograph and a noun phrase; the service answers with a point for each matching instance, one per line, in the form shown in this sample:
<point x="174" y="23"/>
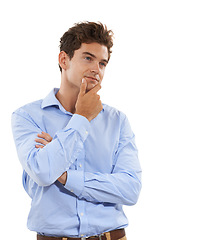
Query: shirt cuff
<point x="80" y="124"/>
<point x="75" y="182"/>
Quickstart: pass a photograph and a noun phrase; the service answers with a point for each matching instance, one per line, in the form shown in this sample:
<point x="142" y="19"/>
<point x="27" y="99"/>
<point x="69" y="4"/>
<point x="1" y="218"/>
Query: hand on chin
<point x="91" y="85"/>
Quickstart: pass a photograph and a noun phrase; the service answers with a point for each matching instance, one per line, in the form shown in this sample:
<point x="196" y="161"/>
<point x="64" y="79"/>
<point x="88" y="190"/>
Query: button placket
<point x="81" y="203"/>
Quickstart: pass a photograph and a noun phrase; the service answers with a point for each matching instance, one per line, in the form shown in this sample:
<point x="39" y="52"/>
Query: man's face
<point x="88" y="62"/>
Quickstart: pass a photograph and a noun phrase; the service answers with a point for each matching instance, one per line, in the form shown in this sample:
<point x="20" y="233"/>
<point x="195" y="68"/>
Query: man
<point x="79" y="156"/>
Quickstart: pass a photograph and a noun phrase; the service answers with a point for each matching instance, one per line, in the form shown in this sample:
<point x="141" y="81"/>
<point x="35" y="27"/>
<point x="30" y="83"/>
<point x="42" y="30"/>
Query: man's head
<point x="85" y="32"/>
<point x="84" y="53"/>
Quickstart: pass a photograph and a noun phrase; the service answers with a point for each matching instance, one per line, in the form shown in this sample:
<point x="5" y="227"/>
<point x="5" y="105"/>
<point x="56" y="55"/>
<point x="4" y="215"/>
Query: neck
<point x="67" y="96"/>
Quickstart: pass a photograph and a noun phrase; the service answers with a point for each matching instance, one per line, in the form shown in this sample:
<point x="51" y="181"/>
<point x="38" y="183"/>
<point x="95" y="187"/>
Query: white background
<point x="153" y="76"/>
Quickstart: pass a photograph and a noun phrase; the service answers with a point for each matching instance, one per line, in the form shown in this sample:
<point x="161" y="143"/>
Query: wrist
<point x="84" y="115"/>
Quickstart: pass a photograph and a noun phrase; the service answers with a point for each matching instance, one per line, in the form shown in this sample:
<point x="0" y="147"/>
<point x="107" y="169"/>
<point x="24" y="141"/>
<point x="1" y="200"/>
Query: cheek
<point x="101" y="75"/>
<point x="74" y="74"/>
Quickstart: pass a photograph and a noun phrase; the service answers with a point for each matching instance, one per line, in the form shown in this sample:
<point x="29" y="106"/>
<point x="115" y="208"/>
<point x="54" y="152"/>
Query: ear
<point x="63" y="60"/>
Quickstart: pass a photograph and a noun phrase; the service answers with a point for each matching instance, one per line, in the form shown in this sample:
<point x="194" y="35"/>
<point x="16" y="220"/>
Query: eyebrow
<point x="92" y="55"/>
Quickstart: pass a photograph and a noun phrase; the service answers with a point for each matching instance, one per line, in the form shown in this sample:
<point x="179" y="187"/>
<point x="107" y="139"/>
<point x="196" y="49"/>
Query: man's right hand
<point x="88" y="104"/>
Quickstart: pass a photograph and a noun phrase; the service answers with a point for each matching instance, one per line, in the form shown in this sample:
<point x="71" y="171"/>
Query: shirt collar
<point x="51" y="100"/>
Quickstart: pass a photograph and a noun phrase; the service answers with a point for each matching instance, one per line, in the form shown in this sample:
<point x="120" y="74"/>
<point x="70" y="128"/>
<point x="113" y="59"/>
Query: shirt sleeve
<point x="122" y="186"/>
<point x="46" y="165"/>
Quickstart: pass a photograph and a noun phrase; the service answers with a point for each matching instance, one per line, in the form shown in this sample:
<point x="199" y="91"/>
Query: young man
<point x="79" y="156"/>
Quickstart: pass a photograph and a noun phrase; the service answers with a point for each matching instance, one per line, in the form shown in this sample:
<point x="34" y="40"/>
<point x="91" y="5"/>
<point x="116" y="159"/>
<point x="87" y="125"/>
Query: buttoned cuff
<point x="80" y="124"/>
<point x="75" y="182"/>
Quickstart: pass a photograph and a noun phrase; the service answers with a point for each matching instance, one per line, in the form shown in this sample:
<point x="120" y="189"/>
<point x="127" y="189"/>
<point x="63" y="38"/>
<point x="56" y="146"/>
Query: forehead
<point x="98" y="50"/>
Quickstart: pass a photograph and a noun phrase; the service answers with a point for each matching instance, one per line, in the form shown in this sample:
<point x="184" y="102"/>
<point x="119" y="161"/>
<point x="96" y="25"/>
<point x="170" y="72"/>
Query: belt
<point x="113" y="235"/>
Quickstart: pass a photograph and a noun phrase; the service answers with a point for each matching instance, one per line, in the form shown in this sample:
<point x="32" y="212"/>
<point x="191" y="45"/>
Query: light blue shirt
<point x="101" y="160"/>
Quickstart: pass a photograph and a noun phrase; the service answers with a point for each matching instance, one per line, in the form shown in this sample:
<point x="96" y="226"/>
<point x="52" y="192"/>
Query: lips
<point x="92" y="78"/>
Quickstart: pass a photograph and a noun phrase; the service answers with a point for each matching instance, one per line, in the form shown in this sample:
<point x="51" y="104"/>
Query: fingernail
<point x="83" y="80"/>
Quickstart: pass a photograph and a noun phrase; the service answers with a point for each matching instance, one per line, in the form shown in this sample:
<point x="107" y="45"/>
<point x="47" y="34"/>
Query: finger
<point x="39" y="146"/>
<point x="95" y="89"/>
<point x="42" y="135"/>
<point x="42" y="141"/>
<point x="83" y="87"/>
<point x="46" y="136"/>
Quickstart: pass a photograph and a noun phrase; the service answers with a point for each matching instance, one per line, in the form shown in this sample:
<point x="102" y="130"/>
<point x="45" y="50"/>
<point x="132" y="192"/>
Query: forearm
<point x="46" y="165"/>
<point x="120" y="186"/>
<point x="116" y="188"/>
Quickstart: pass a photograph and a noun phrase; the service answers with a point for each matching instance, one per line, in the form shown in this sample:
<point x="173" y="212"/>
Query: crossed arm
<point x="122" y="186"/>
<point x="46" y="160"/>
<point x="44" y="139"/>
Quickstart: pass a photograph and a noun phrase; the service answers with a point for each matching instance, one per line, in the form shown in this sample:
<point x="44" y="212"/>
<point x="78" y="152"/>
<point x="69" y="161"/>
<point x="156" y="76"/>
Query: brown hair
<point x="85" y="32"/>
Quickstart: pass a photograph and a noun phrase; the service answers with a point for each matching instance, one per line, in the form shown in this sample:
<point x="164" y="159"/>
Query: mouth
<point x="92" y="78"/>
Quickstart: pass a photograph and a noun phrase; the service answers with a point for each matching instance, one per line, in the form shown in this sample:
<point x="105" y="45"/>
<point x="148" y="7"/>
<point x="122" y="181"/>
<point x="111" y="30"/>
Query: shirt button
<point x="86" y="132"/>
<point x="82" y="235"/>
<point x="82" y="214"/>
<point x="71" y="190"/>
<point x="80" y="165"/>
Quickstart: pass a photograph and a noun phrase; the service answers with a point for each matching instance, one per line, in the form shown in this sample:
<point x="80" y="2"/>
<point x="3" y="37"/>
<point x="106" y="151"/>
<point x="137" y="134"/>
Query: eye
<point x="102" y="64"/>
<point x="88" y="58"/>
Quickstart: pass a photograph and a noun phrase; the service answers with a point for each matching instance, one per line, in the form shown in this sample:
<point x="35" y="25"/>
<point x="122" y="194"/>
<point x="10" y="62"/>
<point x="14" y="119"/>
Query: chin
<point x="90" y="86"/>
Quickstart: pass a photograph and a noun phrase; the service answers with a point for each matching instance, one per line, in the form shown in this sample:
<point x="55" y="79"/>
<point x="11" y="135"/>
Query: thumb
<point x="83" y="87"/>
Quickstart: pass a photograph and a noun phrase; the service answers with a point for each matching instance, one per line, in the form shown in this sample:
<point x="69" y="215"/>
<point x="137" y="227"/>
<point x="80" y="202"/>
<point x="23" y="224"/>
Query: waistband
<point x="113" y="235"/>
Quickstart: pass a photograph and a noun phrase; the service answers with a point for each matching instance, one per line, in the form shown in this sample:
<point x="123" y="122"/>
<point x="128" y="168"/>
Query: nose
<point x="95" y="68"/>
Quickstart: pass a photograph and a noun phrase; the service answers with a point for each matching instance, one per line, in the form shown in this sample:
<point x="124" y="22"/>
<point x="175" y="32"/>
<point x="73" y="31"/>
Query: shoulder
<point x="28" y="108"/>
<point x="114" y="113"/>
<point x="116" y="116"/>
<point x="117" y="119"/>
